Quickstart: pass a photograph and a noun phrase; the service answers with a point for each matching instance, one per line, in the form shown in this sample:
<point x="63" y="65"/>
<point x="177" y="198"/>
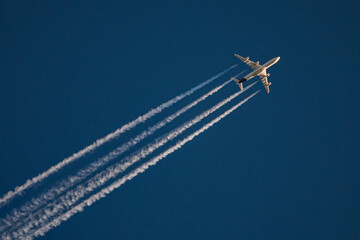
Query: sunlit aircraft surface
<point x="259" y="70"/>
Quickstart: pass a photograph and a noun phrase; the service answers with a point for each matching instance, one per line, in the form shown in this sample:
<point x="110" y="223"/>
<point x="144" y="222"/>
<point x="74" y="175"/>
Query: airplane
<point x="259" y="70"/>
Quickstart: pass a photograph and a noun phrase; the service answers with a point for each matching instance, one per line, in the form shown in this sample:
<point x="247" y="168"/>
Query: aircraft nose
<point x="278" y="58"/>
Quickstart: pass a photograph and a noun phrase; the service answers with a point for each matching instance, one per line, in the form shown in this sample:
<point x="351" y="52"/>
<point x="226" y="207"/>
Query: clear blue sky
<point x="284" y="166"/>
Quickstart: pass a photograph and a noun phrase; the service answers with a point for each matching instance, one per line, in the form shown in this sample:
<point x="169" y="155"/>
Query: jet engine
<point x="257" y="63"/>
<point x="267" y="74"/>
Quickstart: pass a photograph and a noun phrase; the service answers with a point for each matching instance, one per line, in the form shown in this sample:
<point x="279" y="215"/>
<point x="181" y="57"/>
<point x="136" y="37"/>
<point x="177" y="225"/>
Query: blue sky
<point x="284" y="166"/>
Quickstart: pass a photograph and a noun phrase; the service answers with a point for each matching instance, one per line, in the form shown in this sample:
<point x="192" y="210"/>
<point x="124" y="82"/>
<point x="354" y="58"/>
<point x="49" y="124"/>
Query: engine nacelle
<point x="267" y="74"/>
<point x="247" y="58"/>
<point x="257" y="63"/>
<point x="269" y="83"/>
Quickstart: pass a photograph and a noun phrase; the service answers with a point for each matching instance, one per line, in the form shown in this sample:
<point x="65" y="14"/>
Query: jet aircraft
<point x="259" y="70"/>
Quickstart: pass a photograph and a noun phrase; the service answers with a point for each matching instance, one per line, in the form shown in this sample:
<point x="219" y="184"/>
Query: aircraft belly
<point x="250" y="75"/>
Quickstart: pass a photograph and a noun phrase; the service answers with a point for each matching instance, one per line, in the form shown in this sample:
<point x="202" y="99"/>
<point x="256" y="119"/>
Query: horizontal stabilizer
<point x="235" y="79"/>
<point x="239" y="82"/>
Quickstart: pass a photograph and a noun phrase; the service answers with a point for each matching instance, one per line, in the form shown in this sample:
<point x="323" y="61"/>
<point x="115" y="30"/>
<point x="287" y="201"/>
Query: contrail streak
<point x="30" y="182"/>
<point x="59" y="205"/>
<point x="35" y="203"/>
<point x="104" y="192"/>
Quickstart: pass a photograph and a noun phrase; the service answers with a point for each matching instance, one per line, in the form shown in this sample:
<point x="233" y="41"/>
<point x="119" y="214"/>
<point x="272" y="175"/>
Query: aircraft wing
<point x="265" y="82"/>
<point x="253" y="65"/>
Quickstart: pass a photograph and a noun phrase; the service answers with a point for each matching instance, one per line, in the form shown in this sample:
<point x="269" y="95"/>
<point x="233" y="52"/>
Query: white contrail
<point x="104" y="192"/>
<point x="30" y="182"/>
<point x="35" y="203"/>
<point x="44" y="215"/>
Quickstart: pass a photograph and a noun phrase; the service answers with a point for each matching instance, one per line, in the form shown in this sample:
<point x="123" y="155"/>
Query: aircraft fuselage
<point x="262" y="68"/>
